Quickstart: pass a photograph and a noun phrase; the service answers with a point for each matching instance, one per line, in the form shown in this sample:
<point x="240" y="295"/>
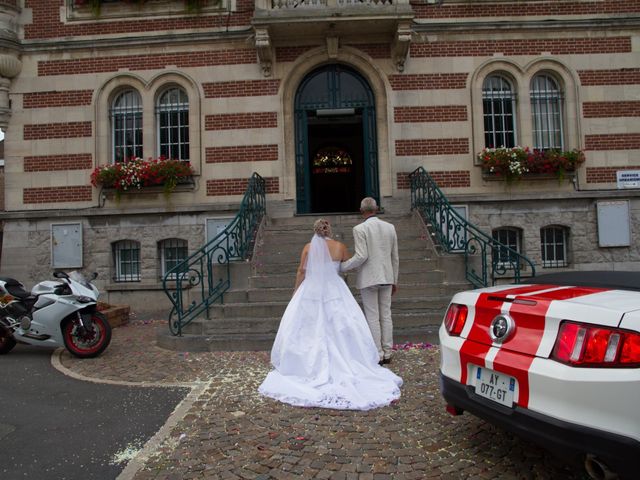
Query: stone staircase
<point x="249" y="317"/>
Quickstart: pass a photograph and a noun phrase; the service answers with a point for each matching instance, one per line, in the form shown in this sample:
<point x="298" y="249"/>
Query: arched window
<point x="126" y="256"/>
<point x="553" y="246"/>
<point x="172" y="252"/>
<point x="510" y="237"/>
<point x="499" y="107"/>
<point x="547" y="112"/>
<point x="172" y="112"/>
<point x="126" y="126"/>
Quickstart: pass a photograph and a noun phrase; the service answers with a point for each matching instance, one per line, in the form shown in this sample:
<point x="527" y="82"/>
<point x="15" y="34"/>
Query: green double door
<point x="336" y="147"/>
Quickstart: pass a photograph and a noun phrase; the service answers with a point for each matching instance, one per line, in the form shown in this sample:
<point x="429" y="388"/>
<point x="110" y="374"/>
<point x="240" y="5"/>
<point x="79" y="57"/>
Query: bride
<point x="324" y="354"/>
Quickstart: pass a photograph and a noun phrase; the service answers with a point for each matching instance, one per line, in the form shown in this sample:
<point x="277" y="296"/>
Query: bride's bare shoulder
<point x="335" y="243"/>
<point x="336" y="249"/>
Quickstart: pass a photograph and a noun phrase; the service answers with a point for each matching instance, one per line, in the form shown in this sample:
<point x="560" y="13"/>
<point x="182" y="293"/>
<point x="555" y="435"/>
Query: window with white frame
<point x="173" y="252"/>
<point x="553" y="246"/>
<point x="509" y="237"/>
<point x="172" y="117"/>
<point x="499" y="108"/>
<point x="546" y="112"/>
<point x="126" y="255"/>
<point x="126" y="126"/>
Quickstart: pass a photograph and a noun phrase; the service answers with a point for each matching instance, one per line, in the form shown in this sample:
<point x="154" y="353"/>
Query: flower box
<point x="516" y="163"/>
<point x="136" y="174"/>
<point x="95" y="5"/>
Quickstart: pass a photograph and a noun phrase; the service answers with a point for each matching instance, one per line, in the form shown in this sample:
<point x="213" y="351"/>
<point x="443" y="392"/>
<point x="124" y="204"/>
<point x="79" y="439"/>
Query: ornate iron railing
<point x="486" y="259"/>
<point x="203" y="278"/>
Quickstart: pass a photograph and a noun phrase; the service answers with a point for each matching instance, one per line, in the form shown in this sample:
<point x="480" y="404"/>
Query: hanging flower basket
<point x="516" y="163"/>
<point x="136" y="174"/>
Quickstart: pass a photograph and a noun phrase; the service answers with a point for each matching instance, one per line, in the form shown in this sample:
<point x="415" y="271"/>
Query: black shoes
<point x="384" y="361"/>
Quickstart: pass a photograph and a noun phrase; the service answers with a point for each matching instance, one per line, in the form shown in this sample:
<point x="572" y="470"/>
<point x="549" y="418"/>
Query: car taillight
<point x="584" y="345"/>
<point x="455" y="319"/>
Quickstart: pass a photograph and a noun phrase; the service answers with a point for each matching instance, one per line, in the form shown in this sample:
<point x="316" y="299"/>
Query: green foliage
<point x="515" y="163"/>
<point x="137" y="173"/>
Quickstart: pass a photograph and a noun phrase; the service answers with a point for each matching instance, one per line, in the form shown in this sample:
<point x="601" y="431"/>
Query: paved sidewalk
<point x="226" y="430"/>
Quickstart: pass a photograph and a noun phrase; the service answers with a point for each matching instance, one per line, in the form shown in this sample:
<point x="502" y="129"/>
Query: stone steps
<point x="407" y="265"/>
<point x="264" y="341"/>
<point x="260" y="310"/>
<point x="283" y="294"/>
<point x="249" y="318"/>
<point x="283" y="280"/>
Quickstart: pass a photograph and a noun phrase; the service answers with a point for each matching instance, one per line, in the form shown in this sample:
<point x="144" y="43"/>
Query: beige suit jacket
<point x="376" y="253"/>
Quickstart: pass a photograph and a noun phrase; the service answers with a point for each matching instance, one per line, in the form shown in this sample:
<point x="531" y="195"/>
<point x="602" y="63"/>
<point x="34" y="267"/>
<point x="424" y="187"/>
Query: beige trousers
<point x="376" y="302"/>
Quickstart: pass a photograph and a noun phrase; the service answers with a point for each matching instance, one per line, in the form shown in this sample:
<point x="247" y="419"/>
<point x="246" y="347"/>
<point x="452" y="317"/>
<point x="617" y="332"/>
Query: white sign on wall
<point x="66" y="245"/>
<point x="628" y="178"/>
<point x="614" y="229"/>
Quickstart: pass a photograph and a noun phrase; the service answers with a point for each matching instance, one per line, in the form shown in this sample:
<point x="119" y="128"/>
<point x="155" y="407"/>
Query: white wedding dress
<point x="324" y="354"/>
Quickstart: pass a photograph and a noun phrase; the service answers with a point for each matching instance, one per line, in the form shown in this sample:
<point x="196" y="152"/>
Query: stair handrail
<point x="206" y="274"/>
<point x="456" y="235"/>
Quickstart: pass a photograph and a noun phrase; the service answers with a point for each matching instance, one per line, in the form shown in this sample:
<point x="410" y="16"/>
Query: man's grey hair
<point x="368" y="204"/>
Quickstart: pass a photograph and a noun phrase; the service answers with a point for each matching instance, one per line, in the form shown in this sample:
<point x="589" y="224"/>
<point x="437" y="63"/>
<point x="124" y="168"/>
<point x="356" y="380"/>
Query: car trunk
<point x="537" y="310"/>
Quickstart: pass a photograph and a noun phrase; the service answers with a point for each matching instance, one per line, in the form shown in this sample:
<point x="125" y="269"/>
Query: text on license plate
<point x="495" y="386"/>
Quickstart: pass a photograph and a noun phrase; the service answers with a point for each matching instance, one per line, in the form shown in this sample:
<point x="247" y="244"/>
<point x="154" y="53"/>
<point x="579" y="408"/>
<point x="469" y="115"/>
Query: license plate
<point x="495" y="386"/>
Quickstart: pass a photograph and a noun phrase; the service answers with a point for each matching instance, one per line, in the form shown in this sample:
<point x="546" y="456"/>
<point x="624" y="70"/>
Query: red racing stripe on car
<point x="516" y="355"/>
<point x="489" y="305"/>
<point x="567" y="293"/>
<point x="475" y="347"/>
<point x="474" y="351"/>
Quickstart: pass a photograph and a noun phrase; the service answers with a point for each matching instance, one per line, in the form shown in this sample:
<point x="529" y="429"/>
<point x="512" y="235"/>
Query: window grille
<point x="510" y="237"/>
<point x="172" y="253"/>
<point x="126" y="124"/>
<point x="172" y="112"/>
<point x="499" y="106"/>
<point x="127" y="261"/>
<point x="547" y="112"/>
<point x="553" y="245"/>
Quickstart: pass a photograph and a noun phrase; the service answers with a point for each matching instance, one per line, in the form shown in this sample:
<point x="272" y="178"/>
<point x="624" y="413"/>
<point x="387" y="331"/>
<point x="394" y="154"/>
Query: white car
<point x="556" y="360"/>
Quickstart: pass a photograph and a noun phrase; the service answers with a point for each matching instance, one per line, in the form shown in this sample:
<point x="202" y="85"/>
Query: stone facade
<point x="241" y="64"/>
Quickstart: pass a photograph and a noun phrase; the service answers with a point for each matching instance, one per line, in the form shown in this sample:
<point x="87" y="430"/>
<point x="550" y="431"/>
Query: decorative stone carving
<point x="401" y="44"/>
<point x="265" y="50"/>
<point x="332" y="46"/>
<point x="10" y="66"/>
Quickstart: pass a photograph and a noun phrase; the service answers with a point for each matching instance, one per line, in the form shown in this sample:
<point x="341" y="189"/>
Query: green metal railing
<point x="486" y="260"/>
<point x="203" y="278"/>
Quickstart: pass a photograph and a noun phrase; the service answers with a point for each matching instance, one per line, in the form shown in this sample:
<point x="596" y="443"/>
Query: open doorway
<point x="335" y="162"/>
<point x="336" y="145"/>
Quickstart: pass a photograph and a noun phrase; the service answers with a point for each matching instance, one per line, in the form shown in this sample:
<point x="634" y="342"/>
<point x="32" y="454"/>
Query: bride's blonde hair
<point x="322" y="227"/>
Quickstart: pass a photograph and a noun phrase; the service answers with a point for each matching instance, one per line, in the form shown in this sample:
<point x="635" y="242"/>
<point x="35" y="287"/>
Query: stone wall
<point x="28" y="246"/>
<point x="579" y="215"/>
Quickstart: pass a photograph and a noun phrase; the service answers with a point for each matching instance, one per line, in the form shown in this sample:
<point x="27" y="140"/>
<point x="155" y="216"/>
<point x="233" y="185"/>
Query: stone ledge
<point x="117" y="315"/>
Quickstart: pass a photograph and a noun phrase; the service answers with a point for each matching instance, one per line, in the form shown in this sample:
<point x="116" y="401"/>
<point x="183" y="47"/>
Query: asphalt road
<point x="53" y="427"/>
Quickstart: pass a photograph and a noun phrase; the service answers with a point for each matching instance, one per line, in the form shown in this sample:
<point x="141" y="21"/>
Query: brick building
<point x="239" y="86"/>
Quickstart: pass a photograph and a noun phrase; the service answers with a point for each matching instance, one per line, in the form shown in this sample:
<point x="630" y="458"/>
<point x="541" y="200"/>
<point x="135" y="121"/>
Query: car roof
<point x="620" y="280"/>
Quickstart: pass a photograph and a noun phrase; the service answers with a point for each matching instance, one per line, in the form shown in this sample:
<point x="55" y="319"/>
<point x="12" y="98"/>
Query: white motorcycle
<point x="54" y="313"/>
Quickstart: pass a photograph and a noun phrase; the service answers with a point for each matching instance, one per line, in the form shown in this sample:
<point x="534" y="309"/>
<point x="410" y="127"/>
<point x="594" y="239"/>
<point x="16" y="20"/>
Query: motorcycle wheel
<point x="6" y="341"/>
<point x="90" y="343"/>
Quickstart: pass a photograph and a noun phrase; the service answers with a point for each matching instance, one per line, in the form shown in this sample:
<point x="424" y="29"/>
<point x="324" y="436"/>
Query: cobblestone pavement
<point x="231" y="432"/>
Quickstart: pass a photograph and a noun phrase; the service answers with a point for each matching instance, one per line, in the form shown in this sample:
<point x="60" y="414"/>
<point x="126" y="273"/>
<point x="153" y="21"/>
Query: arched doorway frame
<point x="355" y="59"/>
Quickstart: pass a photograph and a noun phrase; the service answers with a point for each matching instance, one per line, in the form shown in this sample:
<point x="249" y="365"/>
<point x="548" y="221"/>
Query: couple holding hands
<point x="327" y="352"/>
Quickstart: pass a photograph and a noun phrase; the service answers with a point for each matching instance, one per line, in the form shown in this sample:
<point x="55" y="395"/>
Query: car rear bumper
<point x="565" y="439"/>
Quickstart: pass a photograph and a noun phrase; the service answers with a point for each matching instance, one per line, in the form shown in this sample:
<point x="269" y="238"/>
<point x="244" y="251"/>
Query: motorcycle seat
<point x="14" y="288"/>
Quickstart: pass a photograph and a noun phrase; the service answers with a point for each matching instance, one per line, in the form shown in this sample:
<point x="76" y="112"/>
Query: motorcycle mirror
<point x="60" y="274"/>
<point x="94" y="275"/>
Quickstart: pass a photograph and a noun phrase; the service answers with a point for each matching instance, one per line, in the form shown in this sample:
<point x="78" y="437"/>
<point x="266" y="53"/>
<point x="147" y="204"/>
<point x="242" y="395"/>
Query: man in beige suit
<point x="376" y="256"/>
